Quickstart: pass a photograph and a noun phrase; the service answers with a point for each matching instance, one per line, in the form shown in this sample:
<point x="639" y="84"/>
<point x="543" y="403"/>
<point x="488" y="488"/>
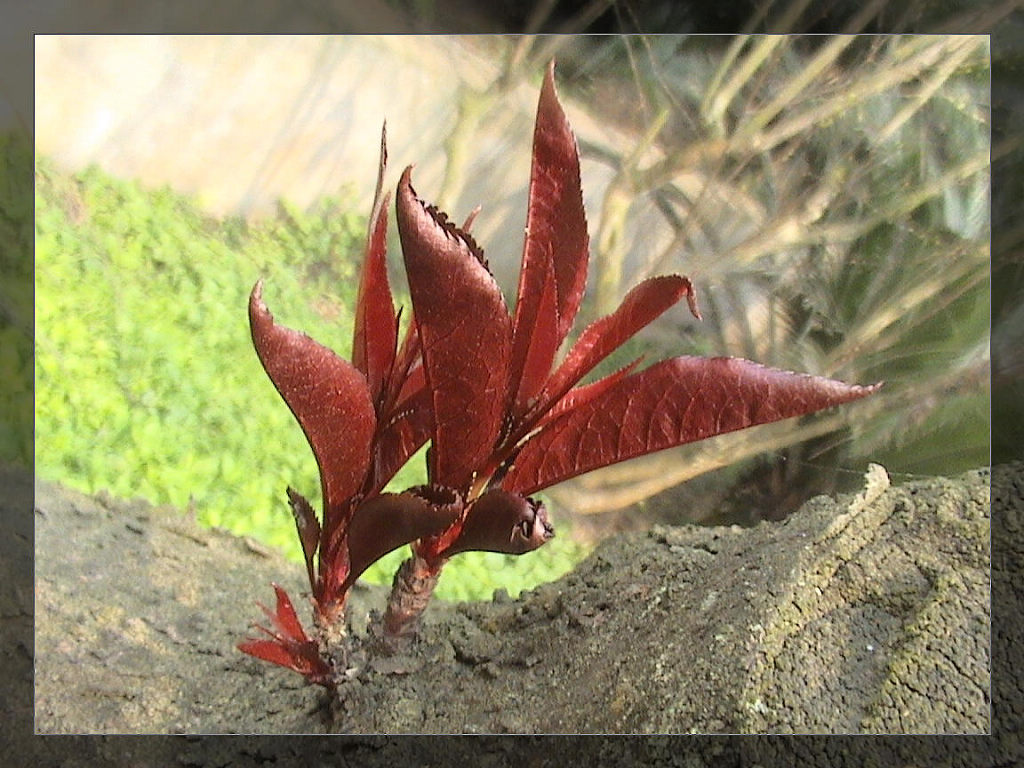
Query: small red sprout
<point x="481" y="383"/>
<point x="363" y="421"/>
<point x="289" y="645"/>
<point x="531" y="425"/>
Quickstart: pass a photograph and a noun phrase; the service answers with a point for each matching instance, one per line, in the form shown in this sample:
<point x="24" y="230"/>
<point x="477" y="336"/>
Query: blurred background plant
<point x="15" y="301"/>
<point x="827" y="195"/>
<point x="830" y="199"/>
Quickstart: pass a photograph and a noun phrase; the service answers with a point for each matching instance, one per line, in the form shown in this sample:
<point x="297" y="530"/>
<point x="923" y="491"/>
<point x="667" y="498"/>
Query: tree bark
<point x="866" y="613"/>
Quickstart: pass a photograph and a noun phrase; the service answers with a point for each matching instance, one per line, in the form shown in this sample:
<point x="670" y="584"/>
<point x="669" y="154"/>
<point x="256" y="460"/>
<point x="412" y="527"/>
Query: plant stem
<point x="332" y="636"/>
<point x="414" y="583"/>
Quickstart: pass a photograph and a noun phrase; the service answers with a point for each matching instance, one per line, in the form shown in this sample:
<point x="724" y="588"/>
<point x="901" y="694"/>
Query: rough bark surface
<point x="864" y="613"/>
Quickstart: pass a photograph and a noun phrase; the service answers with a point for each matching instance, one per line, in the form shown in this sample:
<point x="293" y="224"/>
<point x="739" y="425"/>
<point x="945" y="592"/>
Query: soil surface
<point x="866" y="613"/>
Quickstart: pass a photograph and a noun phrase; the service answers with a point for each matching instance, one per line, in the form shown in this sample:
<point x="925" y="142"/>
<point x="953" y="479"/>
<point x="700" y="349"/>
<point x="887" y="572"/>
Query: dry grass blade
<point x="885" y="78"/>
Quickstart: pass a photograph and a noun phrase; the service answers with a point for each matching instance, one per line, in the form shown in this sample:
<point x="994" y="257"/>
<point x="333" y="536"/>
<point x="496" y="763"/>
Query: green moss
<point x="147" y="383"/>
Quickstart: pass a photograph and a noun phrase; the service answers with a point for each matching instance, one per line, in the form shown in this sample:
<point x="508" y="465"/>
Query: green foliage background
<point x="15" y="302"/>
<point x="146" y="380"/>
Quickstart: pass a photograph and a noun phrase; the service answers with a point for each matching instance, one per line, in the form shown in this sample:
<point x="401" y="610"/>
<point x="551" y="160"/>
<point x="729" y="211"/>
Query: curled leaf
<point x="499" y="521"/>
<point x="399" y="439"/>
<point x="308" y="527"/>
<point x="375" y="335"/>
<point x="433" y="548"/>
<point x="388" y="521"/>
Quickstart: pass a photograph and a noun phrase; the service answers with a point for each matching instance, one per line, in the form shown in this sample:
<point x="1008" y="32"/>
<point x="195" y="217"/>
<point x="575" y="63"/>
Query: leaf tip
<point x="691" y="300"/>
<point x="259" y="316"/>
<point x="256" y="295"/>
<point x="405" y="180"/>
<point x="549" y="74"/>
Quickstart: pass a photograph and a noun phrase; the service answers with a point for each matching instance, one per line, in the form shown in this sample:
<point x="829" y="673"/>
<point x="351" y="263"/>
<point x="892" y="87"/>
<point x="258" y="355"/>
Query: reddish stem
<point x="410" y="592"/>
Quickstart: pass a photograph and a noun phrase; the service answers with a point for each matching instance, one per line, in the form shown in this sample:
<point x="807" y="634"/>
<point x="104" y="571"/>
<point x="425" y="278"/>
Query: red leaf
<point x="543" y="343"/>
<point x="407" y="376"/>
<point x="390" y="520"/>
<point x="272" y="651"/>
<point x="673" y="402"/>
<point x="465" y="334"/>
<point x="640" y="307"/>
<point x="578" y="395"/>
<point x="402" y="437"/>
<point x="329" y="398"/>
<point x="285" y="618"/>
<point x="289" y="646"/>
<point x="407" y="422"/>
<point x="308" y="527"/>
<point x="376" y="329"/>
<point x="554" y="251"/>
<point x="505" y="522"/>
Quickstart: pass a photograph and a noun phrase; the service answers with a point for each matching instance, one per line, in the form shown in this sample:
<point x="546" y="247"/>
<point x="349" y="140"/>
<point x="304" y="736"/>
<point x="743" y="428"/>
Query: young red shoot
<point x="506" y="421"/>
<point x="481" y="383"/>
<point x="363" y="421"/>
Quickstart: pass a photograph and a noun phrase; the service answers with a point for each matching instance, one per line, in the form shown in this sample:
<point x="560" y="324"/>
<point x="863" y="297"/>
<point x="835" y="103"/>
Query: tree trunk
<point x="869" y="613"/>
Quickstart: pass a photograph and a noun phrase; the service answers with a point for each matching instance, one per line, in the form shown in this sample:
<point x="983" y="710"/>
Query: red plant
<point x="363" y="421"/>
<point x="531" y="425"/>
<point x="482" y="385"/>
